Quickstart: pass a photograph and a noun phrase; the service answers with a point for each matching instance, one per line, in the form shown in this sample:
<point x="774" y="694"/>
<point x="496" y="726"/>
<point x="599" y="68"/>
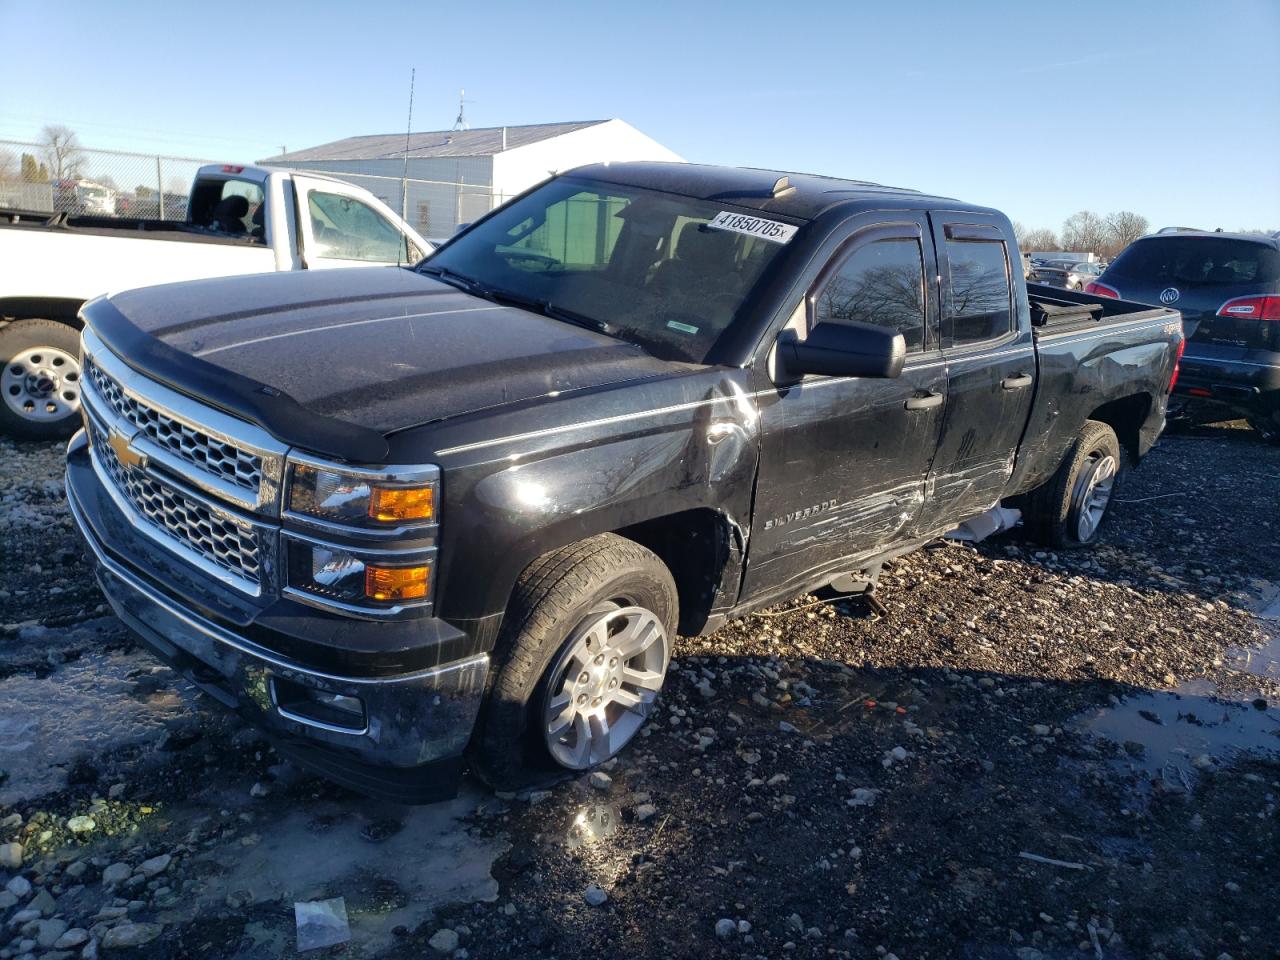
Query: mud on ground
<point x="1025" y="754"/>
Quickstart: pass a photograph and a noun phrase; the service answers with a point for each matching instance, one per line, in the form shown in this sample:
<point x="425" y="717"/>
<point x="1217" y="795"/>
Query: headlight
<point x="360" y="498"/>
<point x="350" y="576"/>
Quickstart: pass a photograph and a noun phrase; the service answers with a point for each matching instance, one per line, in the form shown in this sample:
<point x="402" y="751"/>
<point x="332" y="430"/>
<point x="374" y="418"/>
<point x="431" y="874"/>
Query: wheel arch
<point x="61" y="309"/>
<point x="1127" y="416"/>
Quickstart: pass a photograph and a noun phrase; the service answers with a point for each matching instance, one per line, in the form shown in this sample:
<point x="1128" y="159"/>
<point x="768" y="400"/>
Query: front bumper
<point x="406" y="741"/>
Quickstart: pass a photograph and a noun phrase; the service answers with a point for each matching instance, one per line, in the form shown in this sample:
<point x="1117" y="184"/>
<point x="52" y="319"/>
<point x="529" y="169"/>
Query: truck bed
<point x="120" y="227"/>
<point x="1094" y="354"/>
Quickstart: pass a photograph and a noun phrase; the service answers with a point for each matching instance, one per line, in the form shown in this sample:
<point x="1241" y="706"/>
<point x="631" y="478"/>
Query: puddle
<point x="593" y="823"/>
<point x="1173" y="735"/>
<point x="318" y="849"/>
<point x="43" y="726"/>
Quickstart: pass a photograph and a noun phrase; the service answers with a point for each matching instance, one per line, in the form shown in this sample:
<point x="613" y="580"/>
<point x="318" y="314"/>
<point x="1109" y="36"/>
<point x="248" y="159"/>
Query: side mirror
<point x="845" y="350"/>
<point x="460" y="227"/>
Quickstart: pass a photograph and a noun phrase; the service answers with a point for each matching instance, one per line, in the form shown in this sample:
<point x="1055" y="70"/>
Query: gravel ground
<point x="1023" y="754"/>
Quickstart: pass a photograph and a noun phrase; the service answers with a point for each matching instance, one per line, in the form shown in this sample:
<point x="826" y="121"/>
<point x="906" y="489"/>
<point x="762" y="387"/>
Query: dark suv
<point x="1227" y="287"/>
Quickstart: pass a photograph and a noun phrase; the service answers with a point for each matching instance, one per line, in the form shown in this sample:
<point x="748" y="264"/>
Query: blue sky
<point x="1170" y="109"/>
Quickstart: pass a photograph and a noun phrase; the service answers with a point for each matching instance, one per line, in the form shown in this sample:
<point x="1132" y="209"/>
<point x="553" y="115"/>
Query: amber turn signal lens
<point x="396" y="583"/>
<point x="402" y="503"/>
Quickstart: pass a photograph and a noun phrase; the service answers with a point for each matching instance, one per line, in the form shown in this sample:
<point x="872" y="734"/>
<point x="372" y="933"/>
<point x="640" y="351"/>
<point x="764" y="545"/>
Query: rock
<point x="72" y="938"/>
<point x="744" y="927"/>
<point x="537" y="796"/>
<point x="90" y="951"/>
<point x="156" y="865"/>
<point x="725" y="928"/>
<point x="600" y="781"/>
<point x="49" y="932"/>
<point x="82" y="824"/>
<point x="7" y="900"/>
<point x="44" y="902"/>
<point x="898" y="753"/>
<point x="862" y="797"/>
<point x="1040" y="729"/>
<point x="131" y="935"/>
<point x="10" y="855"/>
<point x="76" y="869"/>
<point x="645" y="811"/>
<point x="444" y="941"/>
<point x="594" y="896"/>
<point x="19" y="887"/>
<point x="117" y="873"/>
<point x="116" y="791"/>
<point x="259" y="790"/>
<point x="786" y="727"/>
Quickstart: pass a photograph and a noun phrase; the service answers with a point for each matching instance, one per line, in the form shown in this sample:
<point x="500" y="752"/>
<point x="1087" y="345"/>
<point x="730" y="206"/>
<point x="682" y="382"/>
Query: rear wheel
<point x="583" y="654"/>
<point x="40" y="379"/>
<point x="1069" y="509"/>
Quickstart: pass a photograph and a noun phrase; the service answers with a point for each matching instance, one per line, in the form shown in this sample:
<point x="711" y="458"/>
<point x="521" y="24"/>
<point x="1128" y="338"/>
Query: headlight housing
<point x="362" y="540"/>
<point x="360" y="498"/>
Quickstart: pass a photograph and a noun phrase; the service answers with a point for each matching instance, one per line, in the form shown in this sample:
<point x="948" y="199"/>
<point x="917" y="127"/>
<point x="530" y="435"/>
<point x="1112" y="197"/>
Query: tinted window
<point x="880" y="283"/>
<point x="1207" y="261"/>
<point x="647" y="263"/>
<point x="347" y="229"/>
<point x="979" y="306"/>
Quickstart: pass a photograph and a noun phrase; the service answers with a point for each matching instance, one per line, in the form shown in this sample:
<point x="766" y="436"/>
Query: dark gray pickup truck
<point x="407" y="518"/>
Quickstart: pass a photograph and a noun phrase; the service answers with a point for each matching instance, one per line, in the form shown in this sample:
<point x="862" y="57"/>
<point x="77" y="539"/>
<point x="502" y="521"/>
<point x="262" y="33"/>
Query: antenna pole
<point x="404" y="176"/>
<point x="461" y="122"/>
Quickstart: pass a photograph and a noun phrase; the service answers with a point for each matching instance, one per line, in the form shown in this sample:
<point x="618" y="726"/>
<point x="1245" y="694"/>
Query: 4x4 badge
<point x="121" y="445"/>
<point x="1169" y="295"/>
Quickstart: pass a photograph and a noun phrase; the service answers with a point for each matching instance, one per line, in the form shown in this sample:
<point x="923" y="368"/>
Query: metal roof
<point x="477" y="142"/>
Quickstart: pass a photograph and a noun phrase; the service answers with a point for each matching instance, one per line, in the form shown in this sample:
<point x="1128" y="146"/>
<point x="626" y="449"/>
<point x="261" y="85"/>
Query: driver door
<point x="843" y="460"/>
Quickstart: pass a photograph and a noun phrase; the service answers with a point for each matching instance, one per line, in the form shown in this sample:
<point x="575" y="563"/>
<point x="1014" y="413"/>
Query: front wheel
<point x="1068" y="510"/>
<point x="583" y="654"/>
<point x="40" y="379"/>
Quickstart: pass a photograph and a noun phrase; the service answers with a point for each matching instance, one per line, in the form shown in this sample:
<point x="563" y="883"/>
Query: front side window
<point x="345" y="228"/>
<point x="880" y="283"/>
<point x="980" y="304"/>
<point x="651" y="265"/>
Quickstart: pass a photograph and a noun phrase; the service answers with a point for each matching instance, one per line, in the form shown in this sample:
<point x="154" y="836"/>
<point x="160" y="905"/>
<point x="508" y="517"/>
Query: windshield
<point x="1204" y="261"/>
<point x="641" y="265"/>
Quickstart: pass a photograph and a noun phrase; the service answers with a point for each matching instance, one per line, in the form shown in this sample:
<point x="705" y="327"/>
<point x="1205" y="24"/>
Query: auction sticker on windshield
<point x="770" y="230"/>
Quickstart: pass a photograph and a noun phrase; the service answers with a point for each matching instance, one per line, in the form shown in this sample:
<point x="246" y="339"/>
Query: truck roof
<point x="750" y="187"/>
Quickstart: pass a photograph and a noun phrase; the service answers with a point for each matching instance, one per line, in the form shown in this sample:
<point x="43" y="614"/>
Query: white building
<point x="454" y="176"/>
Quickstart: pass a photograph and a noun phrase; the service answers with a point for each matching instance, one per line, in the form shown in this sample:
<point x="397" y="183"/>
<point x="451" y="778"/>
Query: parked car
<point x="397" y="517"/>
<point x="1070" y="275"/>
<point x="1227" y="287"/>
<point x="239" y="220"/>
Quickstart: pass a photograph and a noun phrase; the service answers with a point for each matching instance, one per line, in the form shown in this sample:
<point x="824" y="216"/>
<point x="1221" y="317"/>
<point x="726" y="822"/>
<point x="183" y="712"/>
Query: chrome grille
<point x="182" y="518"/>
<point x="221" y="459"/>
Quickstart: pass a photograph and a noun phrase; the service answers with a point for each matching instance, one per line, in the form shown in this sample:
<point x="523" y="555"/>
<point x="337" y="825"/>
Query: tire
<point x="601" y="581"/>
<point x="1052" y="513"/>
<point x="39" y="380"/>
<point x="1268" y="427"/>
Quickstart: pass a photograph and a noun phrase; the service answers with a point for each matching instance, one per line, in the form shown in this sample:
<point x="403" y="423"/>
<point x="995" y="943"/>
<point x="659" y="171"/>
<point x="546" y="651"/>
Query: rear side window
<point x="1198" y="261"/>
<point x="979" y="307"/>
<point x="880" y="283"/>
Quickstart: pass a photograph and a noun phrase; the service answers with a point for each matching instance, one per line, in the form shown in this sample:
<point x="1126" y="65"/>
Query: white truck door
<point x="345" y="226"/>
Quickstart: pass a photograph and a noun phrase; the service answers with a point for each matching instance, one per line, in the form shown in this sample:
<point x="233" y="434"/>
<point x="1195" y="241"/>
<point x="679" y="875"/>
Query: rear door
<point x="843" y="460"/>
<point x="1197" y="274"/>
<point x="342" y="227"/>
<point x="991" y="368"/>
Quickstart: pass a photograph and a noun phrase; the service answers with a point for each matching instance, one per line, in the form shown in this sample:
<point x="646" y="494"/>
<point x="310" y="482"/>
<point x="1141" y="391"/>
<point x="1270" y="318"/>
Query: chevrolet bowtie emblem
<point x="122" y="446"/>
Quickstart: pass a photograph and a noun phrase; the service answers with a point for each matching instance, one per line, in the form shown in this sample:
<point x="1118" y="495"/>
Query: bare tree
<point x="1041" y="239"/>
<point x="1019" y="233"/>
<point x="62" y="151"/>
<point x="1084" y="232"/>
<point x="8" y="166"/>
<point x="1124" y="227"/>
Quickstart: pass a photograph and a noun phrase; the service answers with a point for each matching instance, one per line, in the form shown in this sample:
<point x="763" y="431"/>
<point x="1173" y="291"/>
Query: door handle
<point x="1016" y="383"/>
<point x="927" y="402"/>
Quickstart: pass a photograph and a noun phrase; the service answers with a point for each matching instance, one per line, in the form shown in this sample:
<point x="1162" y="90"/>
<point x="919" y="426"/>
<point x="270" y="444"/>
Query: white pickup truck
<point x="240" y="219"/>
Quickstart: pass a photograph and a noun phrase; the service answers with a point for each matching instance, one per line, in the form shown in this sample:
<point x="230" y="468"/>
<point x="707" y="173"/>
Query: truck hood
<point x="379" y="348"/>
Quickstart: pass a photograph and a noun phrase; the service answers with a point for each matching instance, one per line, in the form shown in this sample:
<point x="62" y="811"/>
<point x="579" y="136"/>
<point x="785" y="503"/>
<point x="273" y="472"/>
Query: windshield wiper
<point x="547" y="308"/>
<point x="465" y="284"/>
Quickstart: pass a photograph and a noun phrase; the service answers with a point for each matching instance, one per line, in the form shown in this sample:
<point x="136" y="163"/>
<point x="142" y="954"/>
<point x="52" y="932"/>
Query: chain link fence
<point x="112" y="183"/>
<point x="83" y="182"/>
